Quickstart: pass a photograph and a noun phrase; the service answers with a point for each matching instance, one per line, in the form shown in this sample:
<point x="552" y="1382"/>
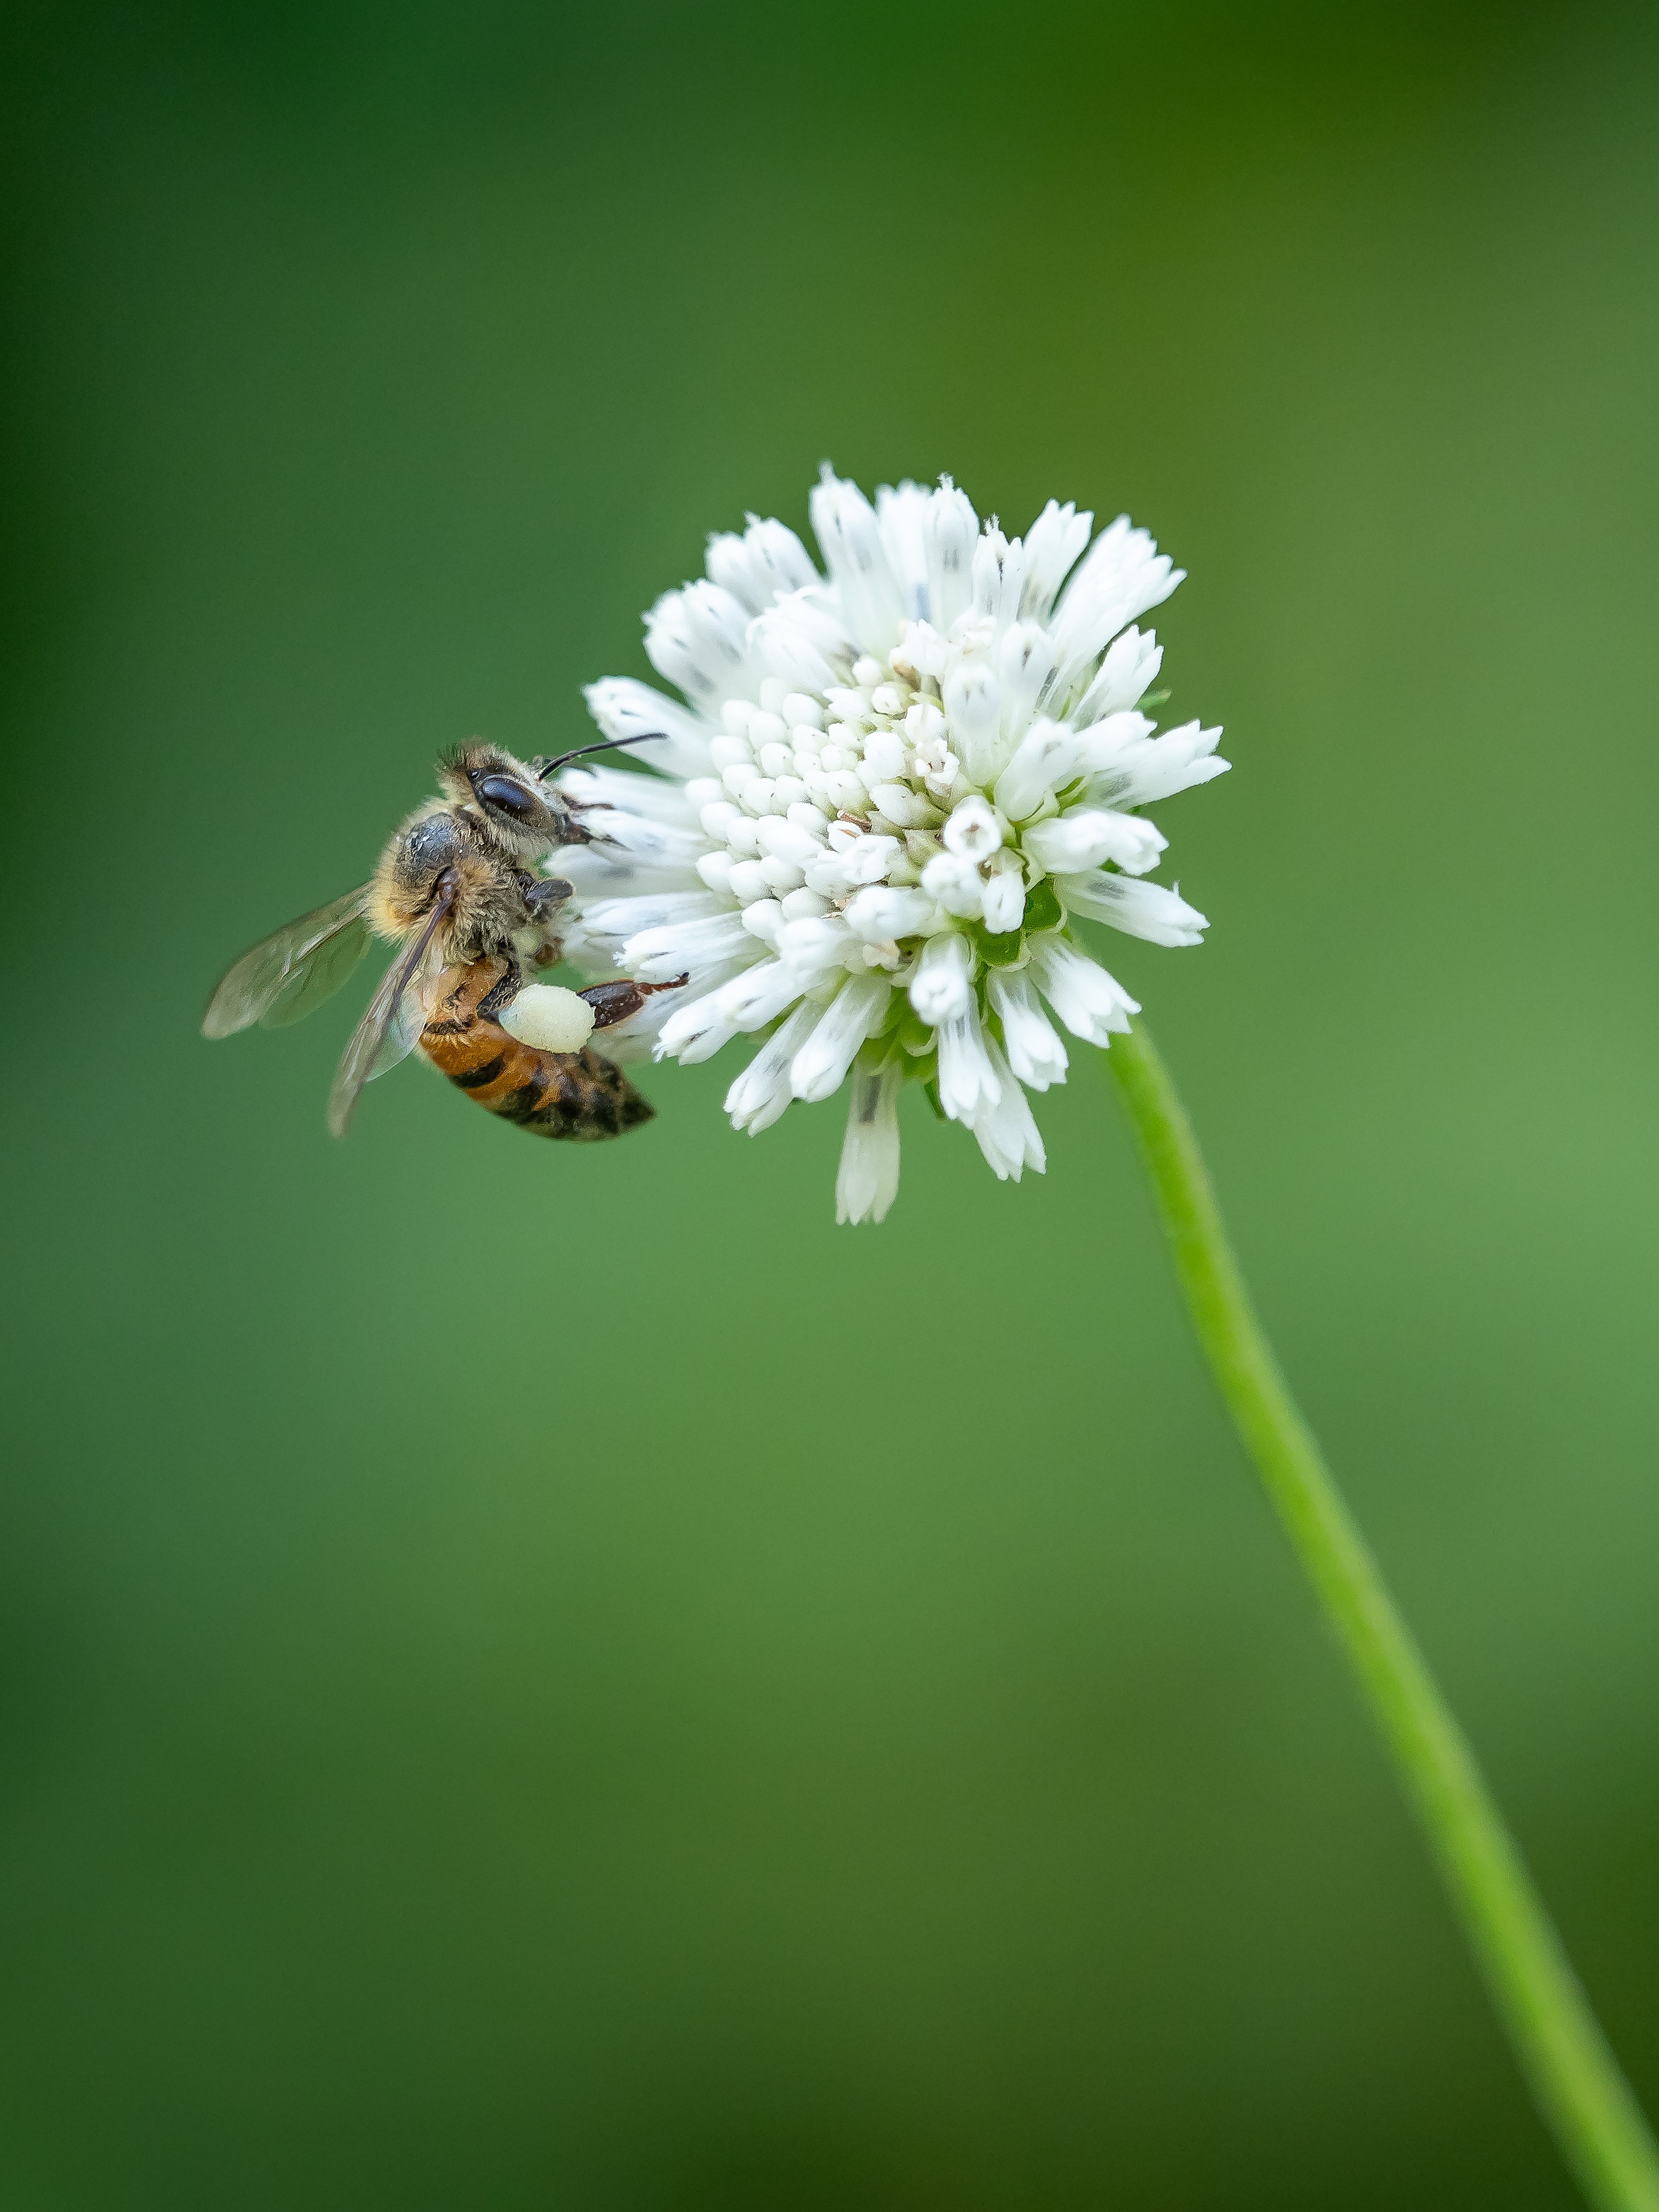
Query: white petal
<point x="1045" y="759"/>
<point x="1130" y="666"/>
<point x="854" y="1014"/>
<point x="659" y="798"/>
<point x="1006" y="1130"/>
<point x="898" y="803"/>
<point x="940" y="987"/>
<point x="784" y="840"/>
<point x="761" y="1093"/>
<point x="1004" y="894"/>
<point x="1123" y="576"/>
<point x="623" y="918"/>
<point x="1088" y="1000"/>
<point x="999" y="577"/>
<point x="697" y="637"/>
<point x="768" y="559"/>
<point x="1025" y="663"/>
<point x="782" y="646"/>
<point x="957" y="884"/>
<point x="813" y="944"/>
<point x="902" y="516"/>
<point x="850" y="540"/>
<point x="887" y="911"/>
<point x="1084" y="836"/>
<point x="973" y="830"/>
<point x="759" y="995"/>
<point x="693" y="948"/>
<point x="648" y="843"/>
<point x="967" y="1082"/>
<point x="624" y="708"/>
<point x="868" y="1182"/>
<point x="973" y="700"/>
<point x="949" y="533"/>
<point x="1140" y="910"/>
<point x="1150" y="767"/>
<point x="694" y="1030"/>
<point x="1053" y="545"/>
<point x="1036" y="1054"/>
<point x="1123" y="566"/>
<point x="599" y="872"/>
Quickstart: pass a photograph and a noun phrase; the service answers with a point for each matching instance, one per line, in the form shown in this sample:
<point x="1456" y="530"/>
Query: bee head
<point x="520" y="812"/>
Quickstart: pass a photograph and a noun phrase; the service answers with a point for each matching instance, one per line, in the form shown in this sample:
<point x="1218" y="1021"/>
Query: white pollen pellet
<point x="550" y="1018"/>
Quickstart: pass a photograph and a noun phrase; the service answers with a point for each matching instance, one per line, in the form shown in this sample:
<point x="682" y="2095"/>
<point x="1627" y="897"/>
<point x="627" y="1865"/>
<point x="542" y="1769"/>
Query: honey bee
<point x="453" y="890"/>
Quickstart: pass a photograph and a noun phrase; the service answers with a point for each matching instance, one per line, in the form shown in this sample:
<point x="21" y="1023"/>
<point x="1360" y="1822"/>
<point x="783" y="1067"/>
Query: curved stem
<point x="1574" y="2075"/>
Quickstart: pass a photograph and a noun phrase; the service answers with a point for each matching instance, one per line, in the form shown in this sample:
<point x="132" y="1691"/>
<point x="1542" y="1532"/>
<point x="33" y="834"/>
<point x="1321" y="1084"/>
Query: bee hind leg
<point x="615" y="1002"/>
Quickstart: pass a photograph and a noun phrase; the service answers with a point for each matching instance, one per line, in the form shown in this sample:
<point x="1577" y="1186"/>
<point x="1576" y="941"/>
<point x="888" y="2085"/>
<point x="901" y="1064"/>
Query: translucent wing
<point x="380" y="1040"/>
<point x="404" y="1032"/>
<point x="293" y="970"/>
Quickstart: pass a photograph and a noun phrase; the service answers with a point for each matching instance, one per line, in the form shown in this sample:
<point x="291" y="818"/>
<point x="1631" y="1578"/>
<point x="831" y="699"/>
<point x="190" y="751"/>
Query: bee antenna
<point x="608" y="744"/>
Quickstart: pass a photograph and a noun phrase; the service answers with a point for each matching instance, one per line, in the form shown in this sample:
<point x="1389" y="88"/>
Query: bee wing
<point x="293" y="971"/>
<point x="379" y="1039"/>
<point x="403" y="1031"/>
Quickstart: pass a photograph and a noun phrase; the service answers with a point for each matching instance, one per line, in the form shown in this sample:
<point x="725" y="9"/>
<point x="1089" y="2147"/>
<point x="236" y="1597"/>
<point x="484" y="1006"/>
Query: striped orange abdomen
<point x="579" y="1095"/>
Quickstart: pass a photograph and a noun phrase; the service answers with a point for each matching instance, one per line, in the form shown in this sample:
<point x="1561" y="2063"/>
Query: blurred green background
<point x="541" y="1678"/>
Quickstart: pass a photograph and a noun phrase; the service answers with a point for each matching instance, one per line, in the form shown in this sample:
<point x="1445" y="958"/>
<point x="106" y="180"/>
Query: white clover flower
<point x="891" y="791"/>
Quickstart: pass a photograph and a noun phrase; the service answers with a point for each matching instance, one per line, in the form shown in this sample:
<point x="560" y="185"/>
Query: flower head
<point x="887" y="794"/>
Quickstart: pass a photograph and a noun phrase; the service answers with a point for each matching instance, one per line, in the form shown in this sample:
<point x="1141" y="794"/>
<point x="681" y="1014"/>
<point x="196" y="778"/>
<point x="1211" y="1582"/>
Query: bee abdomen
<point x="578" y="1096"/>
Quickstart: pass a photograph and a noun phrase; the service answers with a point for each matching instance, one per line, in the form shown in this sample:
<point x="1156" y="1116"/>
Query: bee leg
<point x="502" y="992"/>
<point x="615" y="1002"/>
<point x="542" y="894"/>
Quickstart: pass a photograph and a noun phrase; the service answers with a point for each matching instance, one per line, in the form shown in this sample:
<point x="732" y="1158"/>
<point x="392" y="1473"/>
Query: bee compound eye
<point x="506" y="793"/>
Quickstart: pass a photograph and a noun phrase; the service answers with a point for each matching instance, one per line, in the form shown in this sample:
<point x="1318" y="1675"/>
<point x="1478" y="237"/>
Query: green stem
<point x="1574" y="2075"/>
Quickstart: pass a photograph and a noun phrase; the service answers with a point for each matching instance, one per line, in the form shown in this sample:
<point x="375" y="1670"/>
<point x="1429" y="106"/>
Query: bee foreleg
<point x="543" y="893"/>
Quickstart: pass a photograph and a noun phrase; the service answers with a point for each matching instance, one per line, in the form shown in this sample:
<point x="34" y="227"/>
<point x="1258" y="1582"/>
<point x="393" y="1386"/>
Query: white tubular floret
<point x="1005" y="1128"/>
<point x="693" y="948"/>
<point x="849" y="537"/>
<point x="624" y="707"/>
<point x="854" y="1014"/>
<point x="1003" y="892"/>
<point x="695" y="1032"/>
<point x="957" y="884"/>
<point x="1130" y="667"/>
<point x="1139" y="909"/>
<point x="940" y="987"/>
<point x="1092" y="1005"/>
<point x="768" y="559"/>
<point x="761" y="1093"/>
<point x="759" y="995"/>
<point x="868" y="1182"/>
<point x="887" y="911"/>
<point x="1082" y="836"/>
<point x="1034" y="1054"/>
<point x="1054" y="543"/>
<point x="966" y="1079"/>
<point x="697" y="637"/>
<point x="1045" y="759"/>
<point x="949" y="533"/>
<point x="973" y="831"/>
<point x="973" y="703"/>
